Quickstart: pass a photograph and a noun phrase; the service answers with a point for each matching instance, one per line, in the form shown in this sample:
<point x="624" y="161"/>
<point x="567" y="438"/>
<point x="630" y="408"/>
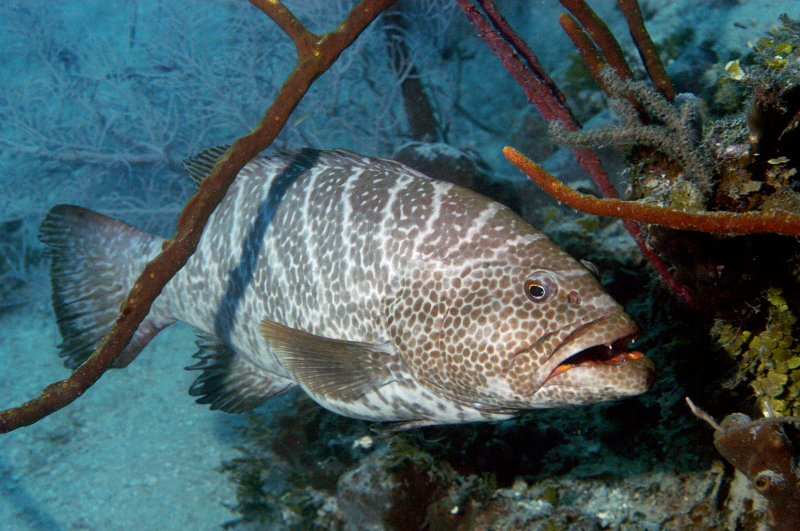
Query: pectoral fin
<point x="338" y="369"/>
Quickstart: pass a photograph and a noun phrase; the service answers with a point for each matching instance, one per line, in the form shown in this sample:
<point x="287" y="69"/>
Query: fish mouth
<point x="596" y="360"/>
<point x="587" y="361"/>
<point x="610" y="354"/>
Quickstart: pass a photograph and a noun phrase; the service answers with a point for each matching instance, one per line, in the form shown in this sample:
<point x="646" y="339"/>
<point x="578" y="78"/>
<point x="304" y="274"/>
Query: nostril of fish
<point x="573" y="297"/>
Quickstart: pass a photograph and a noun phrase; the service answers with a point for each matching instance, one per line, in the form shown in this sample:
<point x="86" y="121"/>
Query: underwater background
<point x="100" y="104"/>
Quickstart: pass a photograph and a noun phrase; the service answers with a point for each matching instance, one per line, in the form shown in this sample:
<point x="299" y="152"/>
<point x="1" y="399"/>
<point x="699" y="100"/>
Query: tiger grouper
<point x="384" y="294"/>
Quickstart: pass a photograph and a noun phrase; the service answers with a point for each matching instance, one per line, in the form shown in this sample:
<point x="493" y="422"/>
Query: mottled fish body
<point x="384" y="294"/>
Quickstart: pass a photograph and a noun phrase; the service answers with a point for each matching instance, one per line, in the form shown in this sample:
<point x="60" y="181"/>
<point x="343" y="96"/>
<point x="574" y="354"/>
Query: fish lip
<point x="608" y="353"/>
<point x="606" y="347"/>
<point x="593" y="330"/>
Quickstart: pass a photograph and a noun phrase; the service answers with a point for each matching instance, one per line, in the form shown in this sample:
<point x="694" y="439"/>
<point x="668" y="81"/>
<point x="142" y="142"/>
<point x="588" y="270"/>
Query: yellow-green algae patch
<point x="769" y="359"/>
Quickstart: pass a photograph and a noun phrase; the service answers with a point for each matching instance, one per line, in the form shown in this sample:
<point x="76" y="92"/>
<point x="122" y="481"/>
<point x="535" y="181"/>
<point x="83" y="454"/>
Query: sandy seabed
<point x="135" y="452"/>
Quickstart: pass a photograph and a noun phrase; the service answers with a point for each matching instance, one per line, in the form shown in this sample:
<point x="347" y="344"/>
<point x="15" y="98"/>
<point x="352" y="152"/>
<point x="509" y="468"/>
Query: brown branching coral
<point x="600" y="49"/>
<point x="687" y="175"/>
<point x="671" y="127"/>
<point x="316" y="53"/>
<point x="724" y="222"/>
<point x="647" y="49"/>
<point x="760" y="450"/>
<point x="594" y="41"/>
<point x="544" y="94"/>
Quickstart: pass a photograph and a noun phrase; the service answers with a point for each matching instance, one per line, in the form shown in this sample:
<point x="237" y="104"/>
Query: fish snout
<point x="595" y="363"/>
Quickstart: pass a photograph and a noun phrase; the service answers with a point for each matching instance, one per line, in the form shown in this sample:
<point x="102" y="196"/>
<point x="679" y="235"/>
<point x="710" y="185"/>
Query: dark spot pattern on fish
<point x="384" y="294"/>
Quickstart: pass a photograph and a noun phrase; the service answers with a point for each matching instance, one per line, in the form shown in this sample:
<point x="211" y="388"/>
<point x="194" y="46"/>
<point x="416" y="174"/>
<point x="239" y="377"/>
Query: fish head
<point x="531" y="329"/>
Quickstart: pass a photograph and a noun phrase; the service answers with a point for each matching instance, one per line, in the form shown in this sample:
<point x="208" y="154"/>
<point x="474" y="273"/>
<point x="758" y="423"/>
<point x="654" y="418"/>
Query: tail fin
<point x="94" y="262"/>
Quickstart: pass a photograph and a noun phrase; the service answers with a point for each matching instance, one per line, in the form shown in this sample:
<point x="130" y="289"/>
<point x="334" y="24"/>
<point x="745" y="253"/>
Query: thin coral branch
<point x="597" y="47"/>
<point x="291" y="26"/>
<point x="520" y="61"/>
<point x="541" y="90"/>
<point x="721" y="430"/>
<point x="176" y="252"/>
<point x="588" y="50"/>
<point x="543" y="93"/>
<point x="647" y="50"/>
<point x="419" y="110"/>
<point x="702" y="415"/>
<point x="774" y="221"/>
<point x="601" y="35"/>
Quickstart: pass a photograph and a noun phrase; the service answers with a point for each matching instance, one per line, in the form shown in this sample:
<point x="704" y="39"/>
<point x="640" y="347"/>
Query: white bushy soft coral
<point x="191" y="74"/>
<point x="99" y="105"/>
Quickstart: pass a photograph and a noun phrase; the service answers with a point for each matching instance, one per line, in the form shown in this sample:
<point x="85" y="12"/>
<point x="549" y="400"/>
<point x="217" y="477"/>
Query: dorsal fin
<point x="335" y="368"/>
<point x="201" y="164"/>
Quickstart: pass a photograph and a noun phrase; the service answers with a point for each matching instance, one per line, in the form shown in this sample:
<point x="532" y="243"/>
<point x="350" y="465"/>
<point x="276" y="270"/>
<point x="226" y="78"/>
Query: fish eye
<point x="535" y="291"/>
<point x="540" y="287"/>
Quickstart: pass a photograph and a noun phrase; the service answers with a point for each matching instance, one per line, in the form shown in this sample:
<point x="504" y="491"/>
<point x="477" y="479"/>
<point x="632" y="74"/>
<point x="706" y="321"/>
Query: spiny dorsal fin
<point x="229" y="381"/>
<point x="335" y="368"/>
<point x="201" y="164"/>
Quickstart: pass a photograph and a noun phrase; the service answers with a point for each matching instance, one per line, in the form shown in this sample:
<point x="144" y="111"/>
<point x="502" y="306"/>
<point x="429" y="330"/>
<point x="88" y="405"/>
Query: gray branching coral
<point x="689" y="175"/>
<point x="673" y="128"/>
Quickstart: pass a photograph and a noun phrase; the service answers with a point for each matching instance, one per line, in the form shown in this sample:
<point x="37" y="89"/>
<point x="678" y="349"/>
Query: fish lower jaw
<point x="623" y="374"/>
<point x="606" y="365"/>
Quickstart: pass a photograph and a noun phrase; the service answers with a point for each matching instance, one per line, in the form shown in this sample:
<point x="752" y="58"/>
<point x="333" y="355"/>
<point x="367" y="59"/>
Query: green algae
<point x="769" y="358"/>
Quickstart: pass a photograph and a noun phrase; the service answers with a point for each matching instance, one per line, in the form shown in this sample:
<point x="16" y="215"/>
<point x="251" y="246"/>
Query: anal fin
<point x="229" y="382"/>
<point x="334" y="368"/>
